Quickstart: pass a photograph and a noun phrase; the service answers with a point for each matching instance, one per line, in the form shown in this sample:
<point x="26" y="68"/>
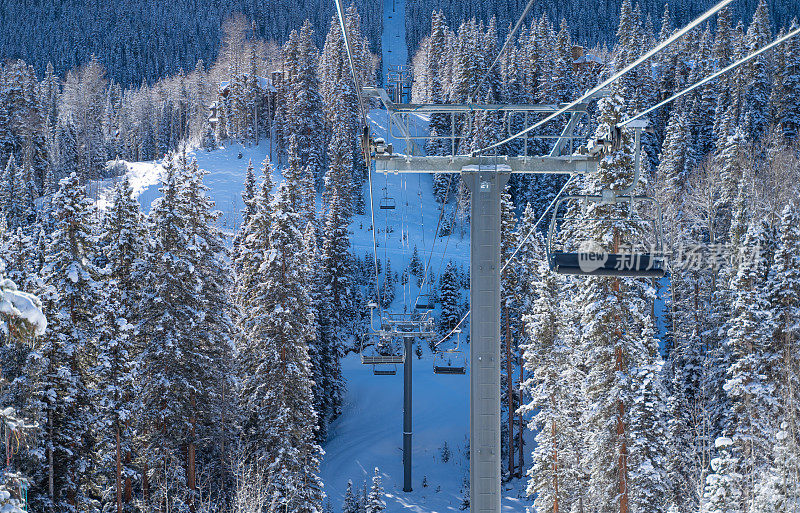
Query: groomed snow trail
<point x="393" y="41"/>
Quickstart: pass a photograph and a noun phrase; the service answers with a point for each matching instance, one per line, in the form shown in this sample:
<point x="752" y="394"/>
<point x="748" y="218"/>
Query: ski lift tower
<point x="407" y="326"/>
<point x="486" y="176"/>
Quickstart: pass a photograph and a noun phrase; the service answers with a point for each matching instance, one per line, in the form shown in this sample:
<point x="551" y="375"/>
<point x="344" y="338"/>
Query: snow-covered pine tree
<point x="210" y="354"/>
<point x="723" y="489"/>
<point x="64" y="361"/>
<point x="550" y="365"/>
<point x="450" y="299"/>
<point x="786" y="89"/>
<point x="750" y="386"/>
<point x="186" y="314"/>
<point x="510" y="314"/>
<point x="253" y="236"/>
<point x="248" y="199"/>
<point x="375" y="502"/>
<point x="615" y="315"/>
<point x="278" y="415"/>
<point x="674" y="166"/>
<point x="757" y="75"/>
<point x="337" y="309"/>
<point x="785" y="318"/>
<point x="123" y="242"/>
<point x="350" y="504"/>
<point x="304" y="103"/>
<point x="387" y="291"/>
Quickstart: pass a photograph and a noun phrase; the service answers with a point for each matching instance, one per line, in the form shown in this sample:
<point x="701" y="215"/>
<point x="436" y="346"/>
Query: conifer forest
<point x="233" y="232"/>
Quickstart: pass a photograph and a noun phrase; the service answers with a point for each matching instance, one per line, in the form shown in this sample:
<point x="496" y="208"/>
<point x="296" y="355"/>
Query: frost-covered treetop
<point x="19" y="305"/>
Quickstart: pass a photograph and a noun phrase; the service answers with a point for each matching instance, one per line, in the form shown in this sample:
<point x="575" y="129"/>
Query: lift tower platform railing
<point x="486" y="177"/>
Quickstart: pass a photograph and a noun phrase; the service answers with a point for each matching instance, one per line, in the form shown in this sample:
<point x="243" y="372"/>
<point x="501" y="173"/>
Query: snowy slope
<point x="393" y="42"/>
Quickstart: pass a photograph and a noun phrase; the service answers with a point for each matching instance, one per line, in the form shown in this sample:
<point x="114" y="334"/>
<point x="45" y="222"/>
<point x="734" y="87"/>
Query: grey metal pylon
<point x="486" y="186"/>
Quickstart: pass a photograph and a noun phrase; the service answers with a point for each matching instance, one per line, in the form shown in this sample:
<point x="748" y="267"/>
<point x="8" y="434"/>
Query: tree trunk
<point x="521" y="421"/>
<point x="191" y="479"/>
<point x="119" y="469"/>
<point x="510" y="376"/>
<point x="50" y="465"/>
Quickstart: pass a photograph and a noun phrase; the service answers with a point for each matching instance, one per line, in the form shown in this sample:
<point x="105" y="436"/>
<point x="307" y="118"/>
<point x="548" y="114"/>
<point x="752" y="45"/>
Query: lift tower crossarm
<point x="570" y="164"/>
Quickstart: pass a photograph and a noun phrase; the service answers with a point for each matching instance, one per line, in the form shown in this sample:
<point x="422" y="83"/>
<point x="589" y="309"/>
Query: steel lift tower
<point x="486" y="176"/>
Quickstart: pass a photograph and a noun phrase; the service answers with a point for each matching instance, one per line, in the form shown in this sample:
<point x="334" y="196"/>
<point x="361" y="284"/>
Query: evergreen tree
<point x="786" y="89"/>
<point x="350" y="504"/>
<point x="450" y="299"/>
<point x="66" y="358"/>
<point x="186" y="280"/>
<point x="304" y="103"/>
<point x="279" y="418"/>
<point x="723" y="492"/>
<point x="616" y="338"/>
<point x="123" y="239"/>
<point x="750" y="386"/>
<point x="757" y="75"/>
<point x="375" y="502"/>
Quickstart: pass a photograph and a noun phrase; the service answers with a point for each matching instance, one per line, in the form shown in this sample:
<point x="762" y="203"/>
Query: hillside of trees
<point x="148" y="40"/>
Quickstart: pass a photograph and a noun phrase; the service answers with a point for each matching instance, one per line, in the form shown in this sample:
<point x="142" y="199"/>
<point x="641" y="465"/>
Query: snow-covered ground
<point x="393" y="42"/>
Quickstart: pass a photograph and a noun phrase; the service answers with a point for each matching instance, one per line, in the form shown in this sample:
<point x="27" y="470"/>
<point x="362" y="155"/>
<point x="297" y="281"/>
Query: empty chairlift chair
<point x="425" y="302"/>
<point x="450" y="361"/>
<point x="382" y="352"/>
<point x="384" y="370"/>
<point x="387" y="202"/>
<point x="606" y="235"/>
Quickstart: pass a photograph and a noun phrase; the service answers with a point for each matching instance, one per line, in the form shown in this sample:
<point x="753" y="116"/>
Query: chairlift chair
<point x="443" y="361"/>
<point x="644" y="260"/>
<point x="387" y="202"/>
<point x="381" y="350"/>
<point x="425" y="302"/>
<point x="384" y="370"/>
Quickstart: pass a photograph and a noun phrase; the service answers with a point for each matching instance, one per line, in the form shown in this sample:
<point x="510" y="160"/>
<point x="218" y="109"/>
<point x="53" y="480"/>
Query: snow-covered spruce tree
<point x="752" y="372"/>
<point x="674" y="166"/>
<point x="375" y="502"/>
<point x="387" y="291"/>
<point x="337" y="308"/>
<point x="723" y="489"/>
<point x="785" y="318"/>
<point x="510" y="328"/>
<point x="248" y="198"/>
<point x="253" y="239"/>
<point x="303" y="101"/>
<point x="616" y="340"/>
<point x="450" y="298"/>
<point x="210" y="413"/>
<point x="757" y="75"/>
<point x="185" y="315"/>
<point x="350" y="504"/>
<point x="278" y="417"/>
<point x="786" y="89"/>
<point x="62" y="364"/>
<point x="550" y="384"/>
<point x="123" y="242"/>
